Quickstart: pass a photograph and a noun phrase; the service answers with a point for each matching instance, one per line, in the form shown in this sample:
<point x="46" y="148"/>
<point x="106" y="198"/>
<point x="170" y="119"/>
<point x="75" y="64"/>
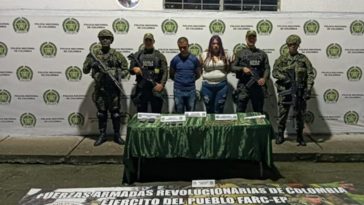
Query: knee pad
<point x="102" y="115"/>
<point x="115" y="115"/>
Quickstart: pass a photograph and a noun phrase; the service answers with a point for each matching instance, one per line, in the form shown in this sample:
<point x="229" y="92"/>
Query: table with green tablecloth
<point x="197" y="138"/>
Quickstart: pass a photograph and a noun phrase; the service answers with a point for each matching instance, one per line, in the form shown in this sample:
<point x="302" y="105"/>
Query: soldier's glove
<point x="95" y="65"/>
<point x="119" y="76"/>
<point x="235" y="95"/>
<point x="286" y="80"/>
<point x="97" y="76"/>
<point x="307" y="95"/>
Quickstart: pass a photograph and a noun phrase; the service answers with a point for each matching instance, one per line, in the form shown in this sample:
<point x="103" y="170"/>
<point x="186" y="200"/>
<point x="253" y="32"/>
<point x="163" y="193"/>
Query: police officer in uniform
<point x="300" y="65"/>
<point x="252" y="68"/>
<point x="150" y="67"/>
<point x="106" y="63"/>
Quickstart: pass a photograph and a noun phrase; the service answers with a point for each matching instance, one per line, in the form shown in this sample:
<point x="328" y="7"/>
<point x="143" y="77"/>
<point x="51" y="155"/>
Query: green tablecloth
<point x="198" y="138"/>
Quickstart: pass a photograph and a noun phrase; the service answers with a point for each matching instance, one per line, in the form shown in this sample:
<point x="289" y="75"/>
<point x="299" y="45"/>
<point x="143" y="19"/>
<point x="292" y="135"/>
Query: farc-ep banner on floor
<point x="44" y="92"/>
<point x="274" y="194"/>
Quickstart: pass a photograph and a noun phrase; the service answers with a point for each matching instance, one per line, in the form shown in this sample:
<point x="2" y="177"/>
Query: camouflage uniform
<point x="106" y="94"/>
<point x="155" y="70"/>
<point x="303" y="70"/>
<point x="258" y="61"/>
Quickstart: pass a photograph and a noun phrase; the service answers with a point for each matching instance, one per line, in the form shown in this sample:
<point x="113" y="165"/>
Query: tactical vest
<point x="253" y="60"/>
<point x="151" y="64"/>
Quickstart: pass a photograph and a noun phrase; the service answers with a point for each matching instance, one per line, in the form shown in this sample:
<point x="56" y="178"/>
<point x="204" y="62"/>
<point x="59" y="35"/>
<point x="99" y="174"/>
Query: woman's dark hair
<point x="221" y="52"/>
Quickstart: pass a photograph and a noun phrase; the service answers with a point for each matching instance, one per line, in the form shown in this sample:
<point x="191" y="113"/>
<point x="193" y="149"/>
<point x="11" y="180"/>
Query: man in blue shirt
<point x="185" y="69"/>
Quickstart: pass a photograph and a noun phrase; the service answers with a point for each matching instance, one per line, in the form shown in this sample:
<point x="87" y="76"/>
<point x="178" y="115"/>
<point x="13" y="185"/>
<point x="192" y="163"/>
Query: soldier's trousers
<point x="146" y="97"/>
<point x="283" y="110"/>
<point x="108" y="101"/>
<point x="255" y="93"/>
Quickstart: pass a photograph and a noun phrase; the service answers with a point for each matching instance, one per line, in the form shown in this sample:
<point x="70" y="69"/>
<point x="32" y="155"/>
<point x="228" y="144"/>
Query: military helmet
<point x="148" y="36"/>
<point x="105" y="33"/>
<point x="251" y="33"/>
<point x="293" y="39"/>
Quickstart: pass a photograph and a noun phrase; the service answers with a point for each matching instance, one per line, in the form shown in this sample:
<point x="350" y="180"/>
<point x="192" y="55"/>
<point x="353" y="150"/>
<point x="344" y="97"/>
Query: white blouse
<point x="213" y="71"/>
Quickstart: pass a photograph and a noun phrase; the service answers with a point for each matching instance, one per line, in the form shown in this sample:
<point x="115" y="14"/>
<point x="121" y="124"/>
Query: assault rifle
<point x="296" y="92"/>
<point x="105" y="69"/>
<point x="146" y="81"/>
<point x="146" y="77"/>
<point x="254" y="77"/>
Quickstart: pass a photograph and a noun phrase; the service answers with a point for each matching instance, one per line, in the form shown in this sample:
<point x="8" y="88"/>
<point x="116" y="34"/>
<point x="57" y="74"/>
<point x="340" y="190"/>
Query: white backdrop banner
<point x="43" y="90"/>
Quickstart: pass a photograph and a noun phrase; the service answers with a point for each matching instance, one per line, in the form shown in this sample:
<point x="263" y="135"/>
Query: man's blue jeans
<point x="184" y="100"/>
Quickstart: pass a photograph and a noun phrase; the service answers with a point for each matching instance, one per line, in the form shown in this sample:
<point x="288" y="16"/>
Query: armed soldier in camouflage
<point x="252" y="68"/>
<point x="295" y="78"/>
<point x="107" y="68"/>
<point x="150" y="67"/>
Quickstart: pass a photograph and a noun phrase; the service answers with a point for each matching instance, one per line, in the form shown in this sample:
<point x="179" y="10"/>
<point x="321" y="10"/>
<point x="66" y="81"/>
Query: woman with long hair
<point x="215" y="64"/>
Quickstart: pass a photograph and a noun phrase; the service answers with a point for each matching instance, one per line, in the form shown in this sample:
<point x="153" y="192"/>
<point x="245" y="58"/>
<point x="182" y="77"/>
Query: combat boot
<point x="280" y="138"/>
<point x="118" y="139"/>
<point x="300" y="140"/>
<point x="102" y="117"/>
<point x="101" y="139"/>
<point x="115" y="116"/>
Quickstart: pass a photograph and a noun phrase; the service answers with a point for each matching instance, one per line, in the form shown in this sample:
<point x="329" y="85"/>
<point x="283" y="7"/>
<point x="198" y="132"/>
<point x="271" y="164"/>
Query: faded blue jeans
<point x="184" y="100"/>
<point x="214" y="96"/>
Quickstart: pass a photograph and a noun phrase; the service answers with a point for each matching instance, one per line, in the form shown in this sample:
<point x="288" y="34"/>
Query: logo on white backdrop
<point x="311" y="27"/>
<point x="76" y="119"/>
<point x="73" y="73"/>
<point x="5" y="97"/>
<point x="354" y="73"/>
<point x="195" y="49"/>
<point x="314" y="73"/>
<point x="71" y="26"/>
<point x="21" y="25"/>
<point x="48" y="50"/>
<point x="217" y="27"/>
<point x="333" y="51"/>
<point x="51" y="97"/>
<point x="95" y="47"/>
<point x="283" y="50"/>
<point x="309" y="117"/>
<point x="169" y="27"/>
<point x="351" y="118"/>
<point x="28" y="120"/>
<point x="120" y="26"/>
<point x="331" y="96"/>
<point x="24" y="73"/>
<point x="264" y="27"/>
<point x="3" y="49"/>
<point x="238" y="47"/>
<point x="357" y="28"/>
